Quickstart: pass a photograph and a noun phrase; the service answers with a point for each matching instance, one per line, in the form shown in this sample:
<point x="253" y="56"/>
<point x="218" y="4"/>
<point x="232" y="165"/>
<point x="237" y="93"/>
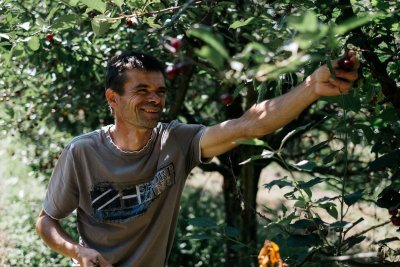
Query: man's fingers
<point x="340" y="85"/>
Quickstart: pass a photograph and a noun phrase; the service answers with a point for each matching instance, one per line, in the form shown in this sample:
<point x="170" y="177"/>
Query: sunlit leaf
<point x="211" y="55"/>
<point x="210" y="39"/>
<point x="33" y="43"/>
<point x="66" y="21"/>
<point x="266" y="154"/>
<point x="306" y="22"/>
<point x="253" y="142"/>
<point x="356" y="22"/>
<point x="239" y="23"/>
<point x="98" y="5"/>
<point x="100" y="27"/>
<point x="118" y="2"/>
<point x="305" y="165"/>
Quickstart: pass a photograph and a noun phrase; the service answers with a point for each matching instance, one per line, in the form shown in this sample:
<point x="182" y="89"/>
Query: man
<point x="125" y="180"/>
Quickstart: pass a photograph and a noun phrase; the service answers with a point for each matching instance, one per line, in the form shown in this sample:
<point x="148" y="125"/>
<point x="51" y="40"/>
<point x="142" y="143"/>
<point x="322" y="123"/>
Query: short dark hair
<point x="118" y="65"/>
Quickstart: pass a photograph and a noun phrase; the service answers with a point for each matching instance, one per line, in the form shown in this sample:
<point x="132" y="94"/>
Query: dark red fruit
<point x="176" y="43"/>
<point x="227" y="99"/>
<point x="171" y="72"/>
<point x="129" y="23"/>
<point x="346" y="64"/>
<point x="50" y="37"/>
<point x="393" y="211"/>
<point x="395" y="220"/>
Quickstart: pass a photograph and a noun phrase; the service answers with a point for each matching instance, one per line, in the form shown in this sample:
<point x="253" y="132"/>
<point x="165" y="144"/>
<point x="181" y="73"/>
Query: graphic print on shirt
<point x="116" y="203"/>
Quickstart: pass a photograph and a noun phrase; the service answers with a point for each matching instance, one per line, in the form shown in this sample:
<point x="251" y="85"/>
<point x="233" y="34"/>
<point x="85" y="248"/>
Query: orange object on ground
<point x="269" y="255"/>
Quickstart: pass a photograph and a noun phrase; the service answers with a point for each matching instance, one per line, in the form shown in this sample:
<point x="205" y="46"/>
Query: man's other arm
<point x="57" y="239"/>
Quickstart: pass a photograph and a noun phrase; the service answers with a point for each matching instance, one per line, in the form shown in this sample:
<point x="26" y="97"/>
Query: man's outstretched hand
<point x="345" y="73"/>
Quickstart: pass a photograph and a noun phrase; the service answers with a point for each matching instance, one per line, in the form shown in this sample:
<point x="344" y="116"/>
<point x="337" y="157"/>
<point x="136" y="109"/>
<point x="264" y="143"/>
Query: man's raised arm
<point x="268" y="116"/>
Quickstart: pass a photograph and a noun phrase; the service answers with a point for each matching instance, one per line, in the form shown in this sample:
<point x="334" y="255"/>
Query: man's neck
<point x="129" y="138"/>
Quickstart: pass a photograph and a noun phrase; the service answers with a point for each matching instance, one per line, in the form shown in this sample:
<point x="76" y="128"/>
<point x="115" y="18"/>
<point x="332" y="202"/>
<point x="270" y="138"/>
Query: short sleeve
<point x="188" y="137"/>
<point x="62" y="196"/>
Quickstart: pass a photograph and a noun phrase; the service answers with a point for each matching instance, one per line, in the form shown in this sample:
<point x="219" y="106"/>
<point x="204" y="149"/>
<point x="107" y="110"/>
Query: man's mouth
<point x="151" y="110"/>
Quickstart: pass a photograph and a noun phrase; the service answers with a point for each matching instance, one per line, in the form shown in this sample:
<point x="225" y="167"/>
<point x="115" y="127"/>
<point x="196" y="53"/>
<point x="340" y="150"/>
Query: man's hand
<point x="331" y="84"/>
<point x="91" y="258"/>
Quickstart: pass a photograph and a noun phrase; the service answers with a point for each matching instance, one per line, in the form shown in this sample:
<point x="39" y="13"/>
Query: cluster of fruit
<point x="394" y="212"/>
<point x="174" y="45"/>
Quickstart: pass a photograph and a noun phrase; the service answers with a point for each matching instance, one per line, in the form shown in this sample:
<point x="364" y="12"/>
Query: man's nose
<point x="154" y="97"/>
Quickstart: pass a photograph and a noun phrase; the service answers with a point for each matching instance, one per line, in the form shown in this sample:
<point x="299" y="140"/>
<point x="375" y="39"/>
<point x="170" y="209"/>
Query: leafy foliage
<point x="53" y="55"/>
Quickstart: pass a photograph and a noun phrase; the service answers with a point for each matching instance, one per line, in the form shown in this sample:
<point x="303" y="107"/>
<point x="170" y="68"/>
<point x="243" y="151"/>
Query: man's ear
<point x="111" y="97"/>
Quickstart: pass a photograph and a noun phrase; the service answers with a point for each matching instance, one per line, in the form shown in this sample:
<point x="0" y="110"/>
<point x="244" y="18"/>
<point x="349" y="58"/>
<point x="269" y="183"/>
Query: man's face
<point x="143" y="99"/>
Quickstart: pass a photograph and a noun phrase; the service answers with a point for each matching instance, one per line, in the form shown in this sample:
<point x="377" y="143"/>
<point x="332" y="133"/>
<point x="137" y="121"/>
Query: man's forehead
<point x="149" y="78"/>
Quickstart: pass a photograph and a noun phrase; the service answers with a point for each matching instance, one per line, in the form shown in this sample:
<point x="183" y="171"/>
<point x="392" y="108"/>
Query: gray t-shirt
<point x="127" y="202"/>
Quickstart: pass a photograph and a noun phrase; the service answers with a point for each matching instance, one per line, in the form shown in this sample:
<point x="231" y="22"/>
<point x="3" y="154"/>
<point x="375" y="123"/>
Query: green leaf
<point x="279" y="183"/>
<point x="151" y="21"/>
<point x="291" y="133"/>
<point x="211" y="55"/>
<point x="5" y="36"/>
<point x="202" y="222"/>
<point x="66" y="21"/>
<point x="386" y="160"/>
<point x="206" y="36"/>
<point x="311" y="183"/>
<point x="253" y="142"/>
<point x="231" y="231"/>
<point x="353" y="23"/>
<point x="353" y="198"/>
<point x="305" y="165"/>
<point x="119" y="3"/>
<point x="354" y="240"/>
<point x="303" y="240"/>
<point x="99" y="5"/>
<point x="100" y="27"/>
<point x="238" y="23"/>
<point x="330" y="157"/>
<point x="306" y="22"/>
<point x="339" y="225"/>
<point x="330" y="208"/>
<point x="34" y="43"/>
<point x="238" y="89"/>
<point x="26" y="26"/>
<point x="302" y="224"/>
<point x="266" y="154"/>
<point x="318" y="147"/>
<point x="198" y="237"/>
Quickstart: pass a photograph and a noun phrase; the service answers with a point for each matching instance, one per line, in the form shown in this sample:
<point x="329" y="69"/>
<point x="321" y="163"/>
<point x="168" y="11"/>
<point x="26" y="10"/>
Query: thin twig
<point x="155" y="12"/>
<point x="363" y="232"/>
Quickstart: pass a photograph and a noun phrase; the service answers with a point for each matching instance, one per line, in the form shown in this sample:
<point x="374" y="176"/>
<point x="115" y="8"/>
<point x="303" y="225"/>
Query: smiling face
<point x="141" y="104"/>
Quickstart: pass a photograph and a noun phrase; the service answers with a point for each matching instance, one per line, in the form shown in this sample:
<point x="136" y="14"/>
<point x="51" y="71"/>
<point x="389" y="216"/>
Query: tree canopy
<point x="220" y="58"/>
